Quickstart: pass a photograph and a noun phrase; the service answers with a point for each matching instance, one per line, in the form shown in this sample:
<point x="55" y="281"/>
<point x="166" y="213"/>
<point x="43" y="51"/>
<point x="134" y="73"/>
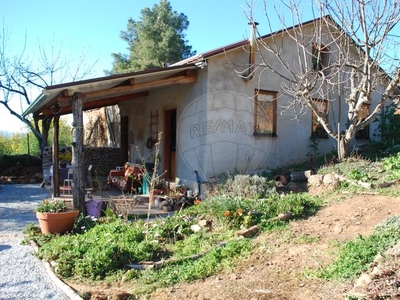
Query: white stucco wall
<point x="215" y="118"/>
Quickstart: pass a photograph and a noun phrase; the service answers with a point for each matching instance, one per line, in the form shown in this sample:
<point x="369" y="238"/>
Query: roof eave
<point x="44" y="98"/>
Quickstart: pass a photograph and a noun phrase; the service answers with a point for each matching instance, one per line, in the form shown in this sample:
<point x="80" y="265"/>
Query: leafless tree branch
<point x="347" y="53"/>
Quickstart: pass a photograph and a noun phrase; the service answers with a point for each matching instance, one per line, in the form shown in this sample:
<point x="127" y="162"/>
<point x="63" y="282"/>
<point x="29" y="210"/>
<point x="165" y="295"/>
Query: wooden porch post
<point x="78" y="160"/>
<point x="55" y="177"/>
<point x="46" y="122"/>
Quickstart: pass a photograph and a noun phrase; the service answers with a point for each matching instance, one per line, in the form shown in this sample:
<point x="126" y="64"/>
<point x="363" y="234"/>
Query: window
<point x="320" y="57"/>
<point x="265" y="111"/>
<point x="362" y="115"/>
<point x="317" y="130"/>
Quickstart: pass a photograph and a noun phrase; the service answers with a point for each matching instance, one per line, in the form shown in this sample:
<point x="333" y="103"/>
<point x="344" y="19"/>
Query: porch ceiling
<point x="110" y="90"/>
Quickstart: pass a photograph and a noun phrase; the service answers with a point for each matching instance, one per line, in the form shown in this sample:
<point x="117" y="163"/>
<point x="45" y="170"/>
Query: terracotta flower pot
<point x="56" y="222"/>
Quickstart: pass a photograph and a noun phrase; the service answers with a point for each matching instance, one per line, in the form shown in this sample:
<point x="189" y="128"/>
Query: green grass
<point x="187" y="270"/>
<point x="102" y="250"/>
<point x="305" y="239"/>
<point x="355" y="256"/>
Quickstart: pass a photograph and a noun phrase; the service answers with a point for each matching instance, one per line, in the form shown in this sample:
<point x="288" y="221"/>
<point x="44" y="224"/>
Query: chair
<point x="128" y="179"/>
<point x="67" y="186"/>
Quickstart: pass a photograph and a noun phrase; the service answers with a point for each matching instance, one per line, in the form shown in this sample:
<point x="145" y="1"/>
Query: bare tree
<point x="347" y="54"/>
<point x="22" y="76"/>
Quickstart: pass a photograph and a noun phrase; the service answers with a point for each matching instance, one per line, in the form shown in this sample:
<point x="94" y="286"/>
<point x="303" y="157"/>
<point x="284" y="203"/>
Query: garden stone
<point x="315" y="180"/>
<point x="363" y="280"/>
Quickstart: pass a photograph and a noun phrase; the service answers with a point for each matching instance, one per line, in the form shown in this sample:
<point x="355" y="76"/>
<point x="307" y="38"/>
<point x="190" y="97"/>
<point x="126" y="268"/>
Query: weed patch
<point x="354" y="257"/>
<point x="102" y="249"/>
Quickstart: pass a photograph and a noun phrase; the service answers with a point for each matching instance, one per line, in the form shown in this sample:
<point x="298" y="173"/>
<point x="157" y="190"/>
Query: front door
<point x="169" y="141"/>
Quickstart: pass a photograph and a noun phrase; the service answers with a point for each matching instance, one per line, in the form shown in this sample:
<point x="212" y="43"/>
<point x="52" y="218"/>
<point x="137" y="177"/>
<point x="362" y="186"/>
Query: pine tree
<point x="157" y="40"/>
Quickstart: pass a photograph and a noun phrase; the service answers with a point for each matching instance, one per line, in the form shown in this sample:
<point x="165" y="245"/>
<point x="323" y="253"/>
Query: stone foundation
<point x="102" y="159"/>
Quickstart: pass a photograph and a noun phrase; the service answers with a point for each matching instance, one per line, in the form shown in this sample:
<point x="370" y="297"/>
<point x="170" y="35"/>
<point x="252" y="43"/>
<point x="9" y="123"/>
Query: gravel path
<point x="22" y="276"/>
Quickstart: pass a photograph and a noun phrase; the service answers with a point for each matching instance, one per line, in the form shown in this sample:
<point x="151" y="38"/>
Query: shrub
<point x="390" y="224"/>
<point x="99" y="252"/>
<point x="7" y="161"/>
<point x="392" y="166"/>
<point x="238" y="212"/>
<point x="104" y="248"/>
<point x="247" y="186"/>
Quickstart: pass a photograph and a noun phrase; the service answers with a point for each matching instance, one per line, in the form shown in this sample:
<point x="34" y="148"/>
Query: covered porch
<point x="76" y="97"/>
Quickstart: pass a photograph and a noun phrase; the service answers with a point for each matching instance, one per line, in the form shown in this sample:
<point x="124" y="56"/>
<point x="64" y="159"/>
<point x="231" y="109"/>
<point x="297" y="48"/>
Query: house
<point x="218" y="111"/>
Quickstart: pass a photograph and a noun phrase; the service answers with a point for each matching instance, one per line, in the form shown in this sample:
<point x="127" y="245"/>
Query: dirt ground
<point x="276" y="270"/>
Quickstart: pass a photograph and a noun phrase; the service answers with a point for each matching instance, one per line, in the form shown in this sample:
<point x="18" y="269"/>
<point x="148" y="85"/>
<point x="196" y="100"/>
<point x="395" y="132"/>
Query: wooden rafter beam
<point x="138" y="87"/>
<point x="126" y="90"/>
<point x="64" y="110"/>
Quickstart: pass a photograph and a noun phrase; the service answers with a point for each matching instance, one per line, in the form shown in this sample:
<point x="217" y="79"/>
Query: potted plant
<point x="54" y="217"/>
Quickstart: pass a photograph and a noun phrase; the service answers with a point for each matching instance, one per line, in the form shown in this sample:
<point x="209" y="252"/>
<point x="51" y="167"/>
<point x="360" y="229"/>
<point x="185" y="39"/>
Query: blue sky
<point x="94" y="26"/>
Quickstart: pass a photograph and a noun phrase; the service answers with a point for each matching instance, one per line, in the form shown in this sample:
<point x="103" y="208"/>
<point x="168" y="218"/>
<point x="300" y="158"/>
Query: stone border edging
<point x="57" y="281"/>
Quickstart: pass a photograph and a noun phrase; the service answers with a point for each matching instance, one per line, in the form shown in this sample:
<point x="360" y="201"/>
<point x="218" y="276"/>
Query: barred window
<point x="265" y="113"/>
<point x="320" y="57"/>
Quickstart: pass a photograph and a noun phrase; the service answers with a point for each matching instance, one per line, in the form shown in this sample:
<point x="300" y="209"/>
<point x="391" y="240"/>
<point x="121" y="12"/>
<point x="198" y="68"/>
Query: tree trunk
<point x="78" y="160"/>
<point x="43" y="140"/>
<point x="56" y="173"/>
<point x="345" y="142"/>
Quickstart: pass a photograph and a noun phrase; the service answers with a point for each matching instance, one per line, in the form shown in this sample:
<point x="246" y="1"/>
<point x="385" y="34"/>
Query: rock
<point x="329" y="179"/>
<point x="375" y="271"/>
<point x="394" y="251"/>
<point x="379" y="258"/>
<point x="167" y="208"/>
<point x="295" y="187"/>
<point x="248" y="232"/>
<point x="315" y="180"/>
<point x="284" y="216"/>
<point x="205" y="224"/>
<point x="300" y="176"/>
<point x="164" y="203"/>
<point x="337" y="230"/>
<point x="195" y="228"/>
<point x="363" y="280"/>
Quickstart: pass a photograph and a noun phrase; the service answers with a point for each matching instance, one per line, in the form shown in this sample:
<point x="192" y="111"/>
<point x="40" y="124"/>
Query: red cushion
<point x="116" y="173"/>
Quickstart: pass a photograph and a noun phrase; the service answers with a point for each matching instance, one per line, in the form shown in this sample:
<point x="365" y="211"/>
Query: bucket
<point x="189" y="193"/>
<point x="93" y="208"/>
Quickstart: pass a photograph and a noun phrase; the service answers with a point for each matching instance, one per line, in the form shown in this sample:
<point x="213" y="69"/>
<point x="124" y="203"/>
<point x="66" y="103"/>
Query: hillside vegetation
<point x="241" y="226"/>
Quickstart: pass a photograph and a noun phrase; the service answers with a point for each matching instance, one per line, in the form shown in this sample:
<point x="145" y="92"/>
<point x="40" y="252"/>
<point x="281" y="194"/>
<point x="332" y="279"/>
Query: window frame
<point x="258" y="105"/>
<point x="320" y="57"/>
<point x="318" y="132"/>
